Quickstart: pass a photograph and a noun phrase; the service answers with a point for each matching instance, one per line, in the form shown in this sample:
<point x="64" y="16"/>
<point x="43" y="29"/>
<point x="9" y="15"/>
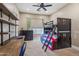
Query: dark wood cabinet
<point x="64" y="24"/>
<point x="27" y="33"/>
<point x="64" y="27"/>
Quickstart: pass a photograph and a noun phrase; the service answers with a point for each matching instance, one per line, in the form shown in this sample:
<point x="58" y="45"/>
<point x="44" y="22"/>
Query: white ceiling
<point x="28" y="8"/>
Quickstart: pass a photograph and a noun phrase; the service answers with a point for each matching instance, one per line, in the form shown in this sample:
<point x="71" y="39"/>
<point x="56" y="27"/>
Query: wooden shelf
<point x="7" y="12"/>
<point x="4" y="33"/>
<point x="5" y="21"/>
<point x="48" y="22"/>
<point x="10" y="21"/>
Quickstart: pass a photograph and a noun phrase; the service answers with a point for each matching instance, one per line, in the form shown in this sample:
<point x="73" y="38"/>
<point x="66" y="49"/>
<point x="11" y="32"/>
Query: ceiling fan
<point x="43" y="6"/>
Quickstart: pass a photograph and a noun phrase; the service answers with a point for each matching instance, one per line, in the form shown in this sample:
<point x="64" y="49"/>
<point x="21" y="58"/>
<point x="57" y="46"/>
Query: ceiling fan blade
<point x="38" y="9"/>
<point x="47" y="5"/>
<point x="45" y="9"/>
<point x="36" y="5"/>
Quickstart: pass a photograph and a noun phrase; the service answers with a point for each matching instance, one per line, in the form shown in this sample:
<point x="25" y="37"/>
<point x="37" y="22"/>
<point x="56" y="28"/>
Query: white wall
<point x="70" y="11"/>
<point x="36" y="20"/>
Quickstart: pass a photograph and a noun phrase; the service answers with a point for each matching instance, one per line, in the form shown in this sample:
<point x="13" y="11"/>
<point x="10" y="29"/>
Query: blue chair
<point x="22" y="50"/>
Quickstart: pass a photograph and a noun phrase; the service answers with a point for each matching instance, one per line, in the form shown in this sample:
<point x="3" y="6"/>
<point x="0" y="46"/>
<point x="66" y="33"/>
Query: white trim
<point x="75" y="47"/>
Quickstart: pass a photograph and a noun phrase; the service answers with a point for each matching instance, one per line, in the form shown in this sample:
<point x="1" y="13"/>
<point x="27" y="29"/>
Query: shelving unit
<point x="7" y="24"/>
<point x="48" y="26"/>
<point x="63" y="31"/>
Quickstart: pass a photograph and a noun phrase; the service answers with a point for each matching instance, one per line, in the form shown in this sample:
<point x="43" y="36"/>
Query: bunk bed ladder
<point x="50" y="38"/>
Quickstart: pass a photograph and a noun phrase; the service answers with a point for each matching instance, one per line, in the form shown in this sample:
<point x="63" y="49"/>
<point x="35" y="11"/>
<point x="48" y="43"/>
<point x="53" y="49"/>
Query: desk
<point x="11" y="48"/>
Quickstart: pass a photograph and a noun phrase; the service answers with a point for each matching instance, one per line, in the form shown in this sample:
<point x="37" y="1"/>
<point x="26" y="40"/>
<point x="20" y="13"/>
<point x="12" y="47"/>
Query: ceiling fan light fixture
<point x="42" y="6"/>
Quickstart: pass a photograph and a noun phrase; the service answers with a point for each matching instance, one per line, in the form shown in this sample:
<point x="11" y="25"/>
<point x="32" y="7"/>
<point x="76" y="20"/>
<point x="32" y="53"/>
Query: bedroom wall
<point x="36" y="20"/>
<point x="70" y="11"/>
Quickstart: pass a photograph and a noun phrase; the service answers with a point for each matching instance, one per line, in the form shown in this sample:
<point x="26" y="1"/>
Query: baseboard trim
<point x="75" y="47"/>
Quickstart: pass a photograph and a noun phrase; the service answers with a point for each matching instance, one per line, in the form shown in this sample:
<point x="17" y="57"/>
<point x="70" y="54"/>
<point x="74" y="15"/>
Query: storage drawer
<point x="5" y="37"/>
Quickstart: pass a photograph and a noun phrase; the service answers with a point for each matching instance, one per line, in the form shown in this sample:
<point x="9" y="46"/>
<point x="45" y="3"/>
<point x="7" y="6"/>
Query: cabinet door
<point x="5" y="37"/>
<point x="5" y="29"/>
<point x="0" y="34"/>
<point x="64" y="24"/>
<point x="12" y="31"/>
<point x="16" y="31"/>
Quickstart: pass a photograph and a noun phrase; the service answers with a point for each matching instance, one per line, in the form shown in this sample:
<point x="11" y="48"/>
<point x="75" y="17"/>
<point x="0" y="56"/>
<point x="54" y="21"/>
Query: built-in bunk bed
<point x="61" y="32"/>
